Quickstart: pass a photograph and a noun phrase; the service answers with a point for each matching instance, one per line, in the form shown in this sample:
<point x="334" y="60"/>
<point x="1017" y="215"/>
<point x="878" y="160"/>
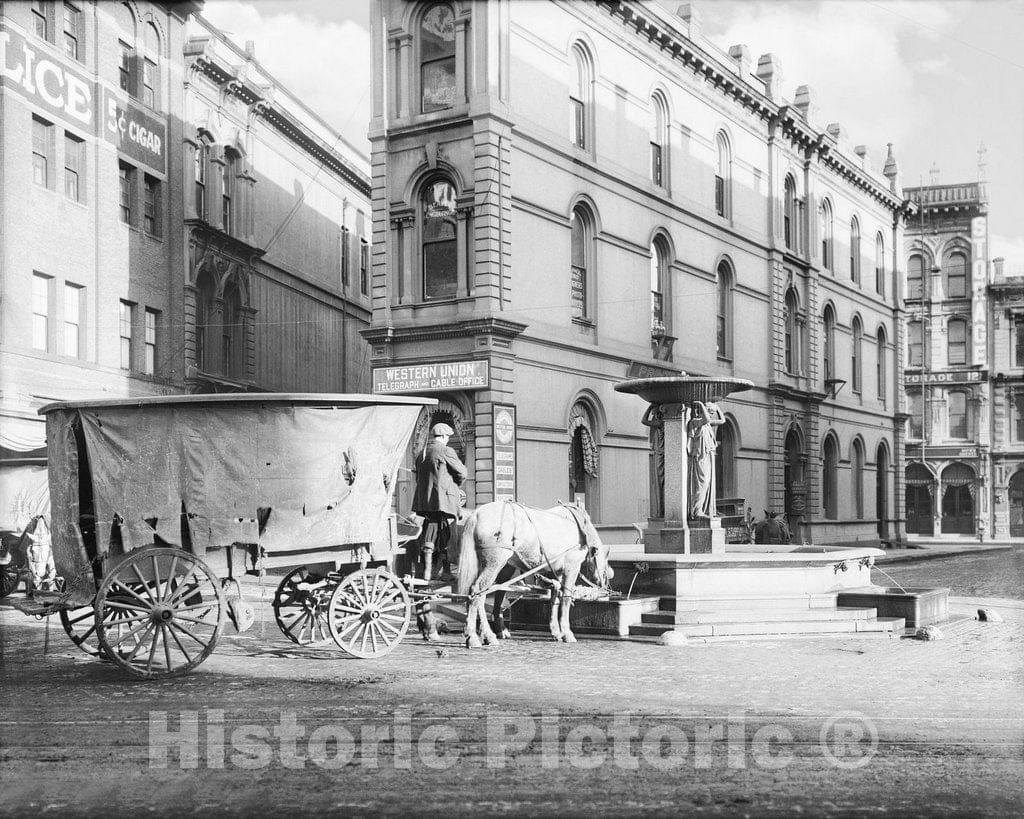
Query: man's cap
<point x="441" y="429"/>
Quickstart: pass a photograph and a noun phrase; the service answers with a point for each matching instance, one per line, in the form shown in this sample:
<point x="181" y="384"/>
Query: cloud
<point x="325" y="64"/>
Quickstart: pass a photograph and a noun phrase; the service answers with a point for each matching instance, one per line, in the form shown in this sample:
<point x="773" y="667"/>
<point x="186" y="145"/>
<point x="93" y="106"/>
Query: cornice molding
<point x="492" y="326"/>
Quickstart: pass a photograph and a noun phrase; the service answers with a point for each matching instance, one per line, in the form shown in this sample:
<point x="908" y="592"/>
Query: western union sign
<point x="438" y="377"/>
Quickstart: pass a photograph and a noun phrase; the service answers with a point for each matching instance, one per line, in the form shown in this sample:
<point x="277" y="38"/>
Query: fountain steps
<point x="787" y="602"/>
<point x="758" y="616"/>
<point x="782" y="628"/>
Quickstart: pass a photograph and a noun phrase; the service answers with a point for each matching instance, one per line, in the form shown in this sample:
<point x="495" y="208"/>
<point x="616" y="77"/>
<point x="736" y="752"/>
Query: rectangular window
<point x="72" y="319"/>
<point x="42" y="18"/>
<point x="149" y="83"/>
<point x="72" y="31"/>
<point x="41" y="311"/>
<point x="956" y="404"/>
<point x="719" y="195"/>
<point x="201" y="155"/>
<point x="957" y="343"/>
<point x="149" y="367"/>
<point x="151" y="206"/>
<point x="916" y="420"/>
<point x="915" y="346"/>
<point x="42" y="152"/>
<point x="126" y="68"/>
<point x="125" y="325"/>
<point x="227" y="191"/>
<point x="1018" y="341"/>
<point x="74" y="163"/>
<point x="579" y="133"/>
<point x="126" y="174"/>
<point x="364" y="267"/>
<point x="1018" y="415"/>
<point x="346" y="250"/>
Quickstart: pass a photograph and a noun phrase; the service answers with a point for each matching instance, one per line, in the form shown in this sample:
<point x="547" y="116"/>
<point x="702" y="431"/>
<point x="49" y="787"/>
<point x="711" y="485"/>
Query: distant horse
<point x="772" y="530"/>
<point x="502" y="539"/>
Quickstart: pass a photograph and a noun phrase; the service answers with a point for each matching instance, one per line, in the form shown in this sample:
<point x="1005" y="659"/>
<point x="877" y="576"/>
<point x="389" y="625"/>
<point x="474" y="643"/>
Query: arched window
<point x="793" y="339"/>
<point x="151" y="67"/>
<point x="881" y="370"/>
<point x="583" y="456"/>
<point x="956" y="276"/>
<point x="956" y="410"/>
<point x="789" y="215"/>
<point x="200" y="165"/>
<point x="725" y="461"/>
<point x="915" y="344"/>
<point x="437" y="59"/>
<point x="723" y="176"/>
<point x="829" y="327"/>
<point x="855" y="250"/>
<point x="880" y="265"/>
<point x="206" y="291"/>
<point x="915" y="277"/>
<point x="856" y="355"/>
<point x="659" y="140"/>
<point x="582" y="231"/>
<point x="723" y="332"/>
<point x="830" y="478"/>
<point x="440" y="251"/>
<point x="231" y="331"/>
<point x="581" y="99"/>
<point x="857" y="468"/>
<point x="956" y="342"/>
<point x="827" y="257"/>
<point x="659" y="276"/>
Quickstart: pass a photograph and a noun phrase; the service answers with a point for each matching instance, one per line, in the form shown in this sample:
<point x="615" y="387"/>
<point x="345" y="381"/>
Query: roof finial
<point x="933" y="173"/>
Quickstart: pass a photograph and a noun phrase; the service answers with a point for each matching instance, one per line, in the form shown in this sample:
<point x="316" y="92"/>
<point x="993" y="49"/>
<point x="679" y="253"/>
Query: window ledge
<point x="583" y="322"/>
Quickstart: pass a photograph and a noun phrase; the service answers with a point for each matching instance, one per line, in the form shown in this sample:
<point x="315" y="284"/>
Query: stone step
<point x="757" y="616"/>
<point x="782" y="628"/>
<point x="731" y="602"/>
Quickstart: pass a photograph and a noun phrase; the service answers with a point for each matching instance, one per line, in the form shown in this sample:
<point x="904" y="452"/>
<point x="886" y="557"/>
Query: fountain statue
<point x="685" y="414"/>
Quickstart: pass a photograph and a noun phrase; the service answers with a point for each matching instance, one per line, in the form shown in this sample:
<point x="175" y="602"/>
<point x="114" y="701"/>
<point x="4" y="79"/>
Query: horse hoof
<point x="491" y="641"/>
<point x="568" y="638"/>
<point x="505" y="634"/>
<point x="473" y="642"/>
<point x="432" y="637"/>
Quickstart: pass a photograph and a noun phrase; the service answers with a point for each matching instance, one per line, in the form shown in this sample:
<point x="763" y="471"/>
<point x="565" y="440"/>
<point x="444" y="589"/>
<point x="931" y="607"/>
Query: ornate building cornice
<point x="499" y="327"/>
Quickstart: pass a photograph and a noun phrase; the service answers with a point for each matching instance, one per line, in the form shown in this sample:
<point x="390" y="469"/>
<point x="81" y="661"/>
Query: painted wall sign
<point x="979" y="286"/>
<point x="54" y="86"/>
<point x="947" y="377"/>
<point x="504" y="452"/>
<point x="438" y="377"/>
<point x="134" y="132"/>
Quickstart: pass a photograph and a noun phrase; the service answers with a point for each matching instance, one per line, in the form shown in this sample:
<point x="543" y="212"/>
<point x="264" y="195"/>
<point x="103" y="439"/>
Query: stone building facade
<point x="948" y="365"/>
<point x="569" y="194"/>
<point x="90" y="216"/>
<point x="1006" y="337"/>
<point x="276" y="209"/>
<point x="171" y="220"/>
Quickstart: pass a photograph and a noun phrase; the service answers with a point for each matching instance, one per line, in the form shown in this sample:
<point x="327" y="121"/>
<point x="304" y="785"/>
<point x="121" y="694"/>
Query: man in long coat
<point x="439" y="472"/>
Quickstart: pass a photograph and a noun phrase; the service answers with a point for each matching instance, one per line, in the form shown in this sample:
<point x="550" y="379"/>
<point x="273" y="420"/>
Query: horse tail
<point x="468" y="561"/>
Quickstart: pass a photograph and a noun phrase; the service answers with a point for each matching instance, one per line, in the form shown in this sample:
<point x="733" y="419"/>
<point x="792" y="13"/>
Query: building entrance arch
<point x="793" y="480"/>
<point x="958" y="488"/>
<point x="882" y="490"/>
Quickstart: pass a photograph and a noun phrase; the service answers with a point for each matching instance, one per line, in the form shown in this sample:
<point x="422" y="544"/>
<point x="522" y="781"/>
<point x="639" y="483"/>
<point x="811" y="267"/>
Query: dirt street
<point x="847" y="726"/>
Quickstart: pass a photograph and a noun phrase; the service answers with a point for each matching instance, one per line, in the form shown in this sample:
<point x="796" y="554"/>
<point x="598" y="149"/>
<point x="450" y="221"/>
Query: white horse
<point x="503" y="538"/>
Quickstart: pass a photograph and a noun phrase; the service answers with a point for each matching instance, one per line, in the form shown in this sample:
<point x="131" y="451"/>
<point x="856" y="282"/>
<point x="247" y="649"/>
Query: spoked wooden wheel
<point x="80" y="625"/>
<point x="369" y="613"/>
<point x="300" y="606"/>
<point x="172" y="605"/>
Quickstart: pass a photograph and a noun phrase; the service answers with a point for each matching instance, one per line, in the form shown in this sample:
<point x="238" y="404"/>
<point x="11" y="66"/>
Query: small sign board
<point x="947" y="377"/>
<point x="440" y="376"/>
<point x="504" y="432"/>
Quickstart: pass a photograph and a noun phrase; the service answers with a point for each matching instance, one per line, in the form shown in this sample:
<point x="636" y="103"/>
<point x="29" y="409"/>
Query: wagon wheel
<point x="10" y="577"/>
<point x="300" y="606"/>
<point x="369" y="613"/>
<point x="173" y="607"/>
<point x="80" y="625"/>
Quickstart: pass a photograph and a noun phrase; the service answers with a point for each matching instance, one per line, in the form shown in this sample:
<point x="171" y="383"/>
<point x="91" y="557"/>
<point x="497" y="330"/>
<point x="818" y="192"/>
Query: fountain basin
<point x="683" y="389"/>
<point x="919" y="607"/>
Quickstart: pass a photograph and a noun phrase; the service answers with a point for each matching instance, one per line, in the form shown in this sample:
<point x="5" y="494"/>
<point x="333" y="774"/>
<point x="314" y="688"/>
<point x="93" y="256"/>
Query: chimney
<point x="835" y="130"/>
<point x="741" y="56"/>
<point x="862" y="152"/>
<point x="806" y="103"/>
<point x="690" y="15"/>
<point x="997" y="270"/>
<point x="769" y="71"/>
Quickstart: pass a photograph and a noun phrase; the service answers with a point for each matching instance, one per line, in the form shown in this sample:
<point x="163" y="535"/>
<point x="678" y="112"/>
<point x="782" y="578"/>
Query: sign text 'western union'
<point x="438" y="377"/>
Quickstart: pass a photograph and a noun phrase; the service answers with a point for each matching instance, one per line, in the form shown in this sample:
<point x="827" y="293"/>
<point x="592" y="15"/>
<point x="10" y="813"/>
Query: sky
<point x="936" y="79"/>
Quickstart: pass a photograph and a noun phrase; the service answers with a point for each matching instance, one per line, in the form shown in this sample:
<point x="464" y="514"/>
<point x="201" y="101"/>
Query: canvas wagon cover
<point x="319" y="476"/>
